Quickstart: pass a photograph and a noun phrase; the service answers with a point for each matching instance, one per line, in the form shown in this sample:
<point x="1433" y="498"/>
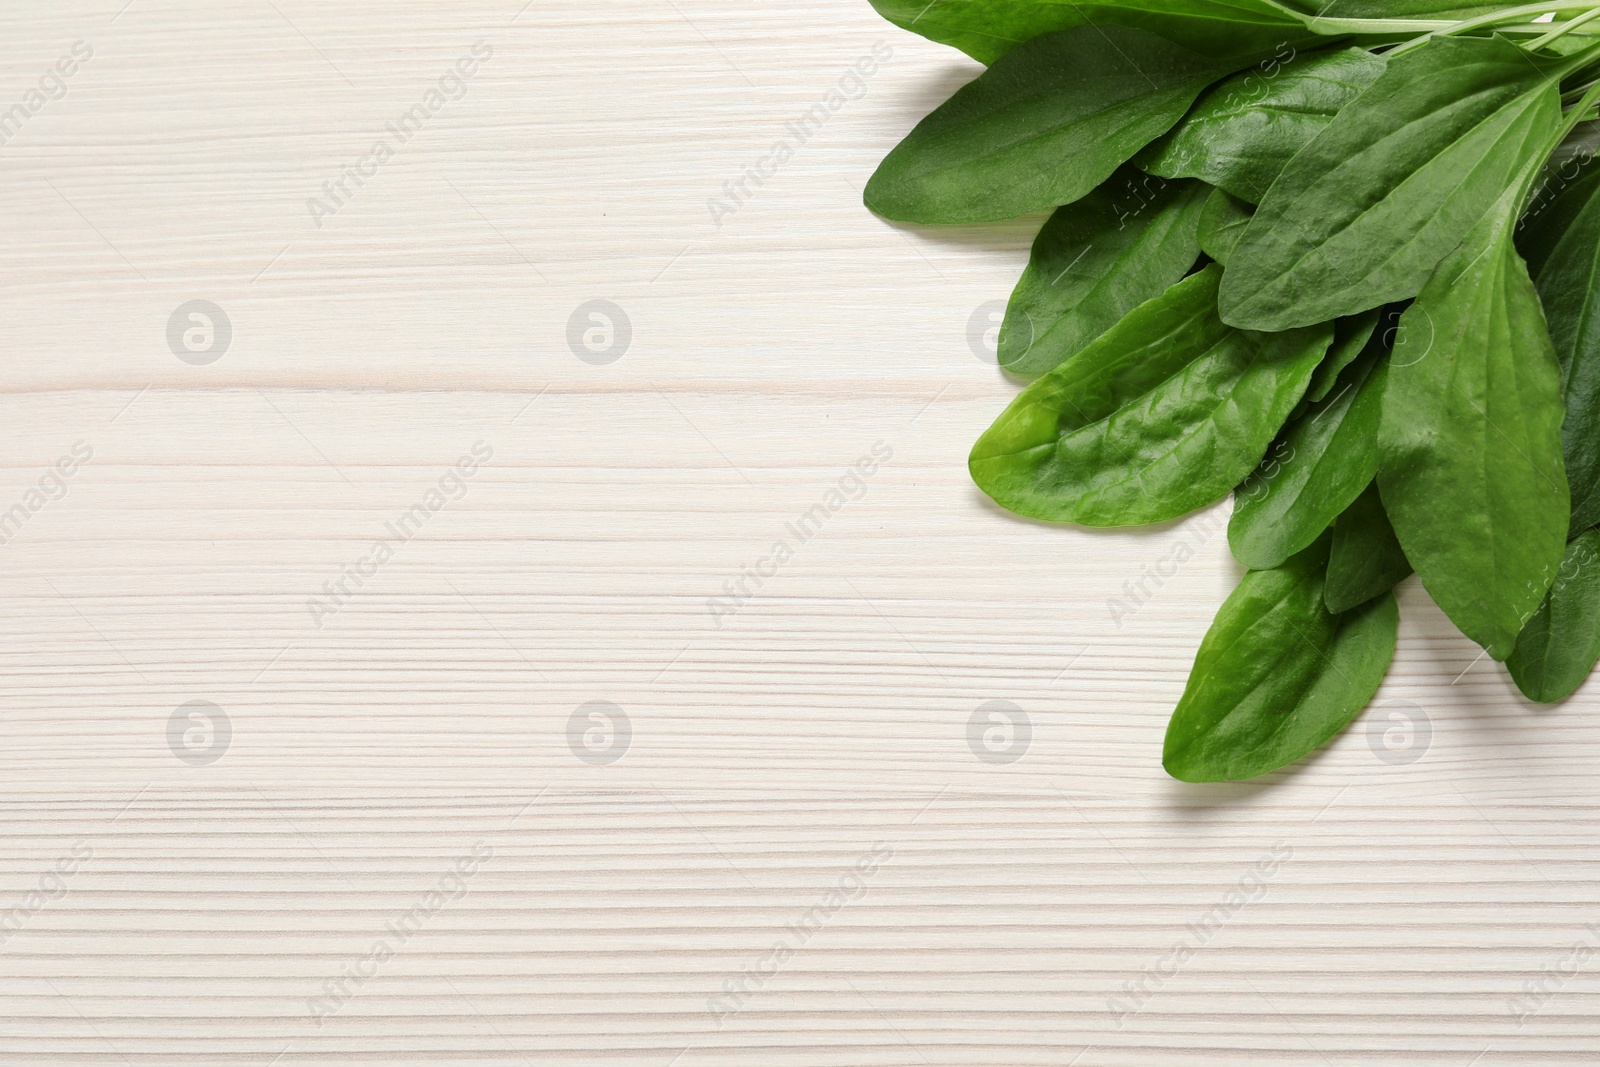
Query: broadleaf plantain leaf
<point x="1367" y="210"/>
<point x="988" y="29"/>
<point x="1042" y="127"/>
<point x="1562" y="243"/>
<point x="1366" y="558"/>
<point x="1222" y="223"/>
<point x="1243" y="131"/>
<point x="1316" y="467"/>
<point x="1277" y="674"/>
<point x="1561" y="643"/>
<point x="1162" y="414"/>
<point x="1470" y="438"/>
<point x="1096" y="260"/>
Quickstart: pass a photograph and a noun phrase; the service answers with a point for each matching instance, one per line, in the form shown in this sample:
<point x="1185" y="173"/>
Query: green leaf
<point x="1277" y="674"/>
<point x="1350" y="338"/>
<point x="1243" y="131"/>
<point x="1558" y="648"/>
<point x="1096" y="260"/>
<point x="1452" y="10"/>
<point x="1222" y="223"/>
<point x="1366" y="559"/>
<point x="1470" y="438"/>
<point x="988" y="29"/>
<point x="1562" y="243"/>
<point x="1351" y="335"/>
<point x="1042" y="127"/>
<point x="1163" y="414"/>
<point x="1316" y="467"/>
<point x="1363" y="214"/>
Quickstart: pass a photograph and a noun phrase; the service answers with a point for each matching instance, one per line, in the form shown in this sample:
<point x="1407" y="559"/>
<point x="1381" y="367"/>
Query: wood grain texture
<point x="998" y="913"/>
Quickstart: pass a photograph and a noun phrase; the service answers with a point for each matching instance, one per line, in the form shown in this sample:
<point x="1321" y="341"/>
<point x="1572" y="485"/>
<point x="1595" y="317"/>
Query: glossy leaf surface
<point x="1096" y="260"/>
<point x="1242" y="131"/>
<point x="1470" y="439"/>
<point x="1561" y="643"/>
<point x="1277" y="675"/>
<point x="1042" y="127"/>
<point x="1313" y="470"/>
<point x="1367" y="210"/>
<point x="1164" y="413"/>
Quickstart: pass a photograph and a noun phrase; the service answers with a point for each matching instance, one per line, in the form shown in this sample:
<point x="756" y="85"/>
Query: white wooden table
<point x="396" y="830"/>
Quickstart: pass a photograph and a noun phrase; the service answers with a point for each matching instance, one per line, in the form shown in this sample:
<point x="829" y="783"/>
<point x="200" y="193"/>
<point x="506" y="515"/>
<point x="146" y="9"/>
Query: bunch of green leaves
<point x="1342" y="262"/>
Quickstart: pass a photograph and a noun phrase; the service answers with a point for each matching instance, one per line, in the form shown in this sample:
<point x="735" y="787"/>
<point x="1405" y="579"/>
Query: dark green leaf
<point x="1277" y="674"/>
<point x="1243" y="130"/>
<point x="1096" y="260"/>
<point x="1164" y="413"/>
<point x="1366" y="559"/>
<point x="1351" y="337"/>
<point x="987" y="29"/>
<point x="1562" y="242"/>
<point x="1559" y="646"/>
<point x="1316" y="467"/>
<point x="1366" y="211"/>
<point x="1222" y="223"/>
<point x="1042" y="127"/>
<point x="1470" y="438"/>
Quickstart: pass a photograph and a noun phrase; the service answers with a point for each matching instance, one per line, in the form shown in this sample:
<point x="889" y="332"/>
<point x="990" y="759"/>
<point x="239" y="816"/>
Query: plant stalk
<point x="1335" y="26"/>
<point x="1562" y="30"/>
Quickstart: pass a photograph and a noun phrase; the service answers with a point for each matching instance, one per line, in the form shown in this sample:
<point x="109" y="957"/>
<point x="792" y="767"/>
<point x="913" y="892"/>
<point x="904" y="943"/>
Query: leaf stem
<point x="1512" y="13"/>
<point x="1534" y="27"/>
<point x="1577" y="112"/>
<point x="1337" y="26"/>
<point x="1562" y="30"/>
